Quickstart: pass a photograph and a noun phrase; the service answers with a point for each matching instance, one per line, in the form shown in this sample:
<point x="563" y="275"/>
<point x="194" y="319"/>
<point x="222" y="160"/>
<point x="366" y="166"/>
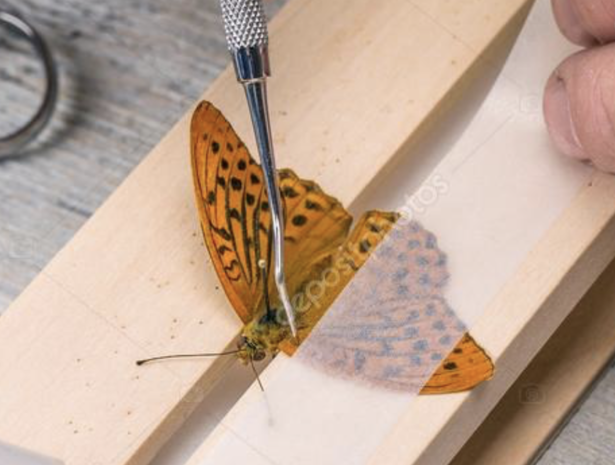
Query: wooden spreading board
<point x="517" y="322"/>
<point x="134" y="281"/>
<point x="549" y="390"/>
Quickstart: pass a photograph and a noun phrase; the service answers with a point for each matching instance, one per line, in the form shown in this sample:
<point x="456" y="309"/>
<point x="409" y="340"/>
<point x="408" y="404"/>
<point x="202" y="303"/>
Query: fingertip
<point x="585" y="22"/>
<point x="579" y="106"/>
<point x="559" y="119"/>
<point x="570" y="24"/>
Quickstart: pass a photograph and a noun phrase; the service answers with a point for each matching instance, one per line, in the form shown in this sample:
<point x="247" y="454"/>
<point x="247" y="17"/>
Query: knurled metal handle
<point x="246" y="33"/>
<point x="244" y="23"/>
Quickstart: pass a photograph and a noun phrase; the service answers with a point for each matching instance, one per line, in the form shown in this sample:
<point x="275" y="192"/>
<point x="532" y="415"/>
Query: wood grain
<point x="518" y="321"/>
<point x="124" y="83"/>
<point x="134" y="282"/>
<point x="516" y="326"/>
<point x="551" y="388"/>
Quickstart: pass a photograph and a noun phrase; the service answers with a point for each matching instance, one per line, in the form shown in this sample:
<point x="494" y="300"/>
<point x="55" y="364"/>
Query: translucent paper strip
<point x="485" y="206"/>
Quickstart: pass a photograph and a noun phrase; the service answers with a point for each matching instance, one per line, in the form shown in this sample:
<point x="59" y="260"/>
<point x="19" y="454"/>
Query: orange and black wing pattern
<point x="465" y="367"/>
<point x="397" y="329"/>
<point x="232" y="204"/>
<point x="392" y="326"/>
<point x="234" y="212"/>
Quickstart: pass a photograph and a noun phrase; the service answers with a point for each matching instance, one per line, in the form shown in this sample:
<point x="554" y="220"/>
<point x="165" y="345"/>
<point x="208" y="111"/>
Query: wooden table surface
<point x="129" y="69"/>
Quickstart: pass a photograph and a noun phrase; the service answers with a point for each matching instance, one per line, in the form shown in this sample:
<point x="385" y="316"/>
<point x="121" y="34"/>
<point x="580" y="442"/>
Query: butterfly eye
<point x="259" y="355"/>
<point x="242" y="343"/>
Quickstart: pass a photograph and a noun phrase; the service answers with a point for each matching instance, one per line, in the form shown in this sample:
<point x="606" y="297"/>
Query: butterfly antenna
<point x="180" y="356"/>
<point x="258" y="379"/>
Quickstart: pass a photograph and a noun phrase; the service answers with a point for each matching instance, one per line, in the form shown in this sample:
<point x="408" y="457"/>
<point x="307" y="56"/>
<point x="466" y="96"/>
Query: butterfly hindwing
<point x="316" y="226"/>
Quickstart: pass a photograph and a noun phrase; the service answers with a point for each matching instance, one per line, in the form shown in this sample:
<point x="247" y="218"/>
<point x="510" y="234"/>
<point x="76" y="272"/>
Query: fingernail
<point x="559" y="119"/>
<point x="570" y="23"/>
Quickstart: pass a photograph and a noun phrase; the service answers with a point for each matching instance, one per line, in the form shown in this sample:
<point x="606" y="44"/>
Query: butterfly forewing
<point x="220" y="163"/>
<point x="235" y="217"/>
<point x="465" y="367"/>
<point x="392" y="326"/>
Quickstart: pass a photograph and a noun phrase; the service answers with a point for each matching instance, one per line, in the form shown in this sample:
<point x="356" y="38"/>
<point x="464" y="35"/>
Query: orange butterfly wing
<point x="465" y="367"/>
<point x="397" y="344"/>
<point x="232" y="202"/>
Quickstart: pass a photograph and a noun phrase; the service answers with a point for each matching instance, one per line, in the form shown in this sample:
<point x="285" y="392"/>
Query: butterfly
<point x="235" y="218"/>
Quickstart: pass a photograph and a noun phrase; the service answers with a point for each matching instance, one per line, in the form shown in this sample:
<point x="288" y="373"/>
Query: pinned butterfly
<point x="397" y="323"/>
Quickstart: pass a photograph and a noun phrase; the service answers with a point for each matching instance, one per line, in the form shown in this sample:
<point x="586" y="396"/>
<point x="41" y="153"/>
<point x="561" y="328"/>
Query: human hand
<point x="579" y="100"/>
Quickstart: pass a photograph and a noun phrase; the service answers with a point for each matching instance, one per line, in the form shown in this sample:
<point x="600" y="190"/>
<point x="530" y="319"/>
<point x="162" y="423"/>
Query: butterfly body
<point x="322" y="256"/>
<point x="263" y="336"/>
<point x="268" y="330"/>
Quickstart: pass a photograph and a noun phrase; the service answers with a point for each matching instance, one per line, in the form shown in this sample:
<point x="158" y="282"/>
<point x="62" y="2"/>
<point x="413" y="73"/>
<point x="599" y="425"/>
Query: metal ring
<point x="11" y="145"/>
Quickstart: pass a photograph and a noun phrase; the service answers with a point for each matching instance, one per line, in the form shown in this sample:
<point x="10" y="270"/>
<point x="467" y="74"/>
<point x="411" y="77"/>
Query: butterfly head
<point x="263" y="336"/>
<point x="251" y="351"/>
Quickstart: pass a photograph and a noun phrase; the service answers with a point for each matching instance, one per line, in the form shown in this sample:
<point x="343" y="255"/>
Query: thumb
<point x="579" y="106"/>
<point x="586" y="22"/>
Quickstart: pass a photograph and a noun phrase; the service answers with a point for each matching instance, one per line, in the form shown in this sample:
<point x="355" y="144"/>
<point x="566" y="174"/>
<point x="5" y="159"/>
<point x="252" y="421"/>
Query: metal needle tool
<point x="246" y="33"/>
